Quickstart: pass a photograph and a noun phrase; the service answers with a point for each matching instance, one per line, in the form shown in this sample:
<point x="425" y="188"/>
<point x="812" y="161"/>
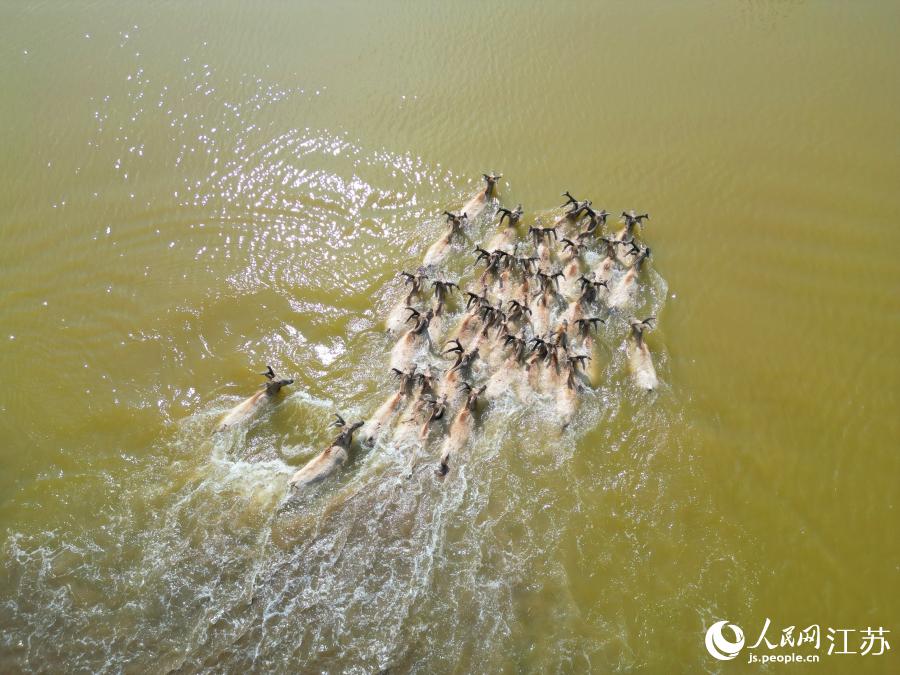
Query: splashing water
<point x="197" y="561"/>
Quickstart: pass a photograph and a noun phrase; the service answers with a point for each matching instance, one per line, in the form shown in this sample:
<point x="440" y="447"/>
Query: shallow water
<point x="189" y="193"/>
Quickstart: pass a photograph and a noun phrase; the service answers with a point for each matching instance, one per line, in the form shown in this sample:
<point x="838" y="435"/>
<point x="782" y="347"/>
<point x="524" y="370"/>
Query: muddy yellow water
<point x="191" y="191"/>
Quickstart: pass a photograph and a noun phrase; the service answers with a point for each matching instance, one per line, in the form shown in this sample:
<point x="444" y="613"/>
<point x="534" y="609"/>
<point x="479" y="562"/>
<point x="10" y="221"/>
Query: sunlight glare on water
<point x="193" y="192"/>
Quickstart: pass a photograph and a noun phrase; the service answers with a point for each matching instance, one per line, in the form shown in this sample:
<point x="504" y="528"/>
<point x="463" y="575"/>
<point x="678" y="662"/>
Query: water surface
<point x="188" y="192"/>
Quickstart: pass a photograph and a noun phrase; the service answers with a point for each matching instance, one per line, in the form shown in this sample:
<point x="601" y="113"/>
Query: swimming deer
<point x="252" y="406"/>
<point x="477" y="204"/>
<point x="460" y="428"/>
<point x="439" y="249"/>
<point x="639" y="358"/>
<point x="329" y="460"/>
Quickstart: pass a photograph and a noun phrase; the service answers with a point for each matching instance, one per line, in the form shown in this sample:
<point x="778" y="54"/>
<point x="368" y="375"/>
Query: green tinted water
<point x="189" y="192"/>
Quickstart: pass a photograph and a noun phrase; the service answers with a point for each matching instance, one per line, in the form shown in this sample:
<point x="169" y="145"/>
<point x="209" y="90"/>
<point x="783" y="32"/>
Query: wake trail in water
<point x="201" y="563"/>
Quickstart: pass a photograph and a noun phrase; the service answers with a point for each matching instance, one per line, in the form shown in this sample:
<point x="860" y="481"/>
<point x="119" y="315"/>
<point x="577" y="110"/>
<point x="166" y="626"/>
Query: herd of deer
<point x="524" y="327"/>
